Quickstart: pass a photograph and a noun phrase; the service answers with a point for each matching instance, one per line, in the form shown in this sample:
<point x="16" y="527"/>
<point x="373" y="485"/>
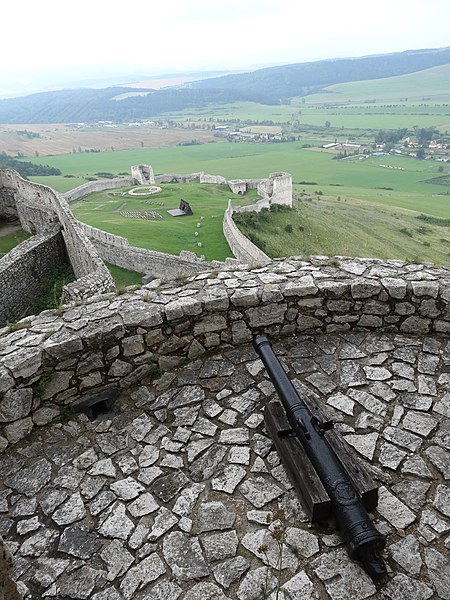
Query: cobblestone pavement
<point x="179" y="493"/>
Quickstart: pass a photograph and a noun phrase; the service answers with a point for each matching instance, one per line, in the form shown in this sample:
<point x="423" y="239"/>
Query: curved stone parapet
<point x="54" y="359"/>
<point x="243" y="249"/>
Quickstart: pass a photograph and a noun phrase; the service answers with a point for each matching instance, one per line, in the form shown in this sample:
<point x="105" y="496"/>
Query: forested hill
<point x="267" y="86"/>
<point x="303" y="78"/>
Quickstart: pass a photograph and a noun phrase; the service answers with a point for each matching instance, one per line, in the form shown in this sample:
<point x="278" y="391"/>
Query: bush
<point x="288" y="228"/>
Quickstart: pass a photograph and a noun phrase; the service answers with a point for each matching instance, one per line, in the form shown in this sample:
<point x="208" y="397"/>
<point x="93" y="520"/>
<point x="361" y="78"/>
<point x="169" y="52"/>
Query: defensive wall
<point x="117" y="250"/>
<point x="243" y="249"/>
<point x="42" y="210"/>
<point x="98" y="186"/>
<point x="24" y="271"/>
<point x="276" y="189"/>
<point x="55" y="359"/>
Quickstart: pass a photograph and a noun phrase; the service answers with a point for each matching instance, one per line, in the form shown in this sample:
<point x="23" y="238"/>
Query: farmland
<point x="366" y="179"/>
<point x="51" y="139"/>
<point x="370" y="202"/>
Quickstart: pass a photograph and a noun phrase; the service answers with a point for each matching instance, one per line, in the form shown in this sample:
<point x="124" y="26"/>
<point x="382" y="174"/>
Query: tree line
<point x="24" y="168"/>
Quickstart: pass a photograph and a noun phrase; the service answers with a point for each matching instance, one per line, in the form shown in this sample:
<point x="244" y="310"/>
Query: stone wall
<point x="238" y="186"/>
<point x="277" y="188"/>
<point x="143" y="174"/>
<point x="41" y="209"/>
<point x="98" y="186"/>
<point x="177" y="177"/>
<point x="24" y="272"/>
<point x="217" y="179"/>
<point x="8" y="209"/>
<point x="242" y="248"/>
<point x="116" y="250"/>
<point x="119" y="340"/>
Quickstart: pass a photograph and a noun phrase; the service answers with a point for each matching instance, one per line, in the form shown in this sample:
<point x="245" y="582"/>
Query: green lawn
<point x="124" y="277"/>
<point x="169" y="234"/>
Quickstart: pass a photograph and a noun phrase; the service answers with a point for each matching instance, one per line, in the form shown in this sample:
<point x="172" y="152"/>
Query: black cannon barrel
<point x="364" y="542"/>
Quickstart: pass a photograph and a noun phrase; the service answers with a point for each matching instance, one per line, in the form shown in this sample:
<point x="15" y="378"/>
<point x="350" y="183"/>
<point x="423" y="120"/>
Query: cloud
<point x="203" y="33"/>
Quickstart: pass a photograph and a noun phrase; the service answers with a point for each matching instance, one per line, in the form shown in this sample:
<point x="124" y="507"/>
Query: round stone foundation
<point x="145" y="190"/>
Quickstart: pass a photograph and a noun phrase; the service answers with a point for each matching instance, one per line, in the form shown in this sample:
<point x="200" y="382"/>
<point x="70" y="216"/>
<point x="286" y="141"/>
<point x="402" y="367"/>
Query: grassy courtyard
<point x="107" y="210"/>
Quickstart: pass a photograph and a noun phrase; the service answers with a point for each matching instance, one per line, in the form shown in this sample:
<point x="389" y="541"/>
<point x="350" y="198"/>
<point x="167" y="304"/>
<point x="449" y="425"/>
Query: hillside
<point x="275" y="85"/>
<point x="431" y="84"/>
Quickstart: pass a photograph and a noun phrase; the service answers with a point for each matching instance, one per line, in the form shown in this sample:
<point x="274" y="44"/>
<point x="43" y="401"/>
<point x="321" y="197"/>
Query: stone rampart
<point x="215" y="179"/>
<point x="277" y="188"/>
<point x="98" y="186"/>
<point x="119" y="340"/>
<point x="116" y="250"/>
<point x="24" y="272"/>
<point x="8" y="208"/>
<point x="243" y="249"/>
<point x="177" y="177"/>
<point x="40" y="208"/>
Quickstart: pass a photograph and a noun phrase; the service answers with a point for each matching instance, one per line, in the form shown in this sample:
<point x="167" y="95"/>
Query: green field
<point x="168" y="234"/>
<point x="365" y="179"/>
<point x="321" y="225"/>
<point x="124" y="277"/>
<point x="430" y="85"/>
<point x="421" y="98"/>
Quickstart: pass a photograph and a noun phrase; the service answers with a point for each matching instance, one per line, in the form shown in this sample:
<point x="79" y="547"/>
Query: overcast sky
<point x="179" y="35"/>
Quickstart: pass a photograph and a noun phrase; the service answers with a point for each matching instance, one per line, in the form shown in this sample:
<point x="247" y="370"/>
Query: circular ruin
<point x="145" y="190"/>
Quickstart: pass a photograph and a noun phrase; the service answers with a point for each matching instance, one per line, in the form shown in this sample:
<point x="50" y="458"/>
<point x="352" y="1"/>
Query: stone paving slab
<point x="179" y="493"/>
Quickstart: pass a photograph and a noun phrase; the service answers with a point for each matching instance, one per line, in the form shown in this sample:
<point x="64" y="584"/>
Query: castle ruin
<point x="175" y="490"/>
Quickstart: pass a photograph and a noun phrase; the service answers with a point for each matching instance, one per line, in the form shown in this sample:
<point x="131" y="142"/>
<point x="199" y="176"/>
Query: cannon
<point x="364" y="542"/>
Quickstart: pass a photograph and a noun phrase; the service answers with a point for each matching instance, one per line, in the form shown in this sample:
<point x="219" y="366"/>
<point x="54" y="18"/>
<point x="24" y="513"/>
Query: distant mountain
<point x="272" y="85"/>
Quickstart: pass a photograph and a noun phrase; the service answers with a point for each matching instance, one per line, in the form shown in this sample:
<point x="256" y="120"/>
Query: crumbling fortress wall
<point x="243" y="249"/>
<point x="117" y="250"/>
<point x="24" y="271"/>
<point x="276" y="189"/>
<point x="143" y="174"/>
<point x="42" y="210"/>
<point x="98" y="186"/>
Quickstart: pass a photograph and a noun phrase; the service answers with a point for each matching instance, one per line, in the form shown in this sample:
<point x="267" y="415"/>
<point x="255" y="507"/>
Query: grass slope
<point x="321" y="225"/>
<point x="428" y="85"/>
<point x="9" y="240"/>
